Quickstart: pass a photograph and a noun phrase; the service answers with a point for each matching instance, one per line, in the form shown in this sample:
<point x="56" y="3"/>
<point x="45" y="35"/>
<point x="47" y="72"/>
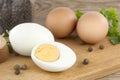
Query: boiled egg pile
<point x="37" y="41"/>
<point x="31" y="39"/>
<point x="92" y="26"/>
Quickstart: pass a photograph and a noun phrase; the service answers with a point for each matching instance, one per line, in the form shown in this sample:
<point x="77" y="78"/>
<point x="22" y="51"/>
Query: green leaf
<point x="114" y="40"/>
<point x="114" y="21"/>
<point x="78" y="14"/>
<point x="6" y="36"/>
<point x="112" y="31"/>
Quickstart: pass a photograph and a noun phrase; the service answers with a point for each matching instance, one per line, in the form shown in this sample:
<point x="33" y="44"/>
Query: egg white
<point x="66" y="59"/>
<point x="25" y="36"/>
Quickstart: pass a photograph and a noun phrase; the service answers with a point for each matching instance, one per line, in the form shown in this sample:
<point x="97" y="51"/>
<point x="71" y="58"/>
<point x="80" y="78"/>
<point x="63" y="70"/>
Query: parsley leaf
<point x="113" y="20"/>
<point x="78" y="14"/>
<point x="6" y="36"/>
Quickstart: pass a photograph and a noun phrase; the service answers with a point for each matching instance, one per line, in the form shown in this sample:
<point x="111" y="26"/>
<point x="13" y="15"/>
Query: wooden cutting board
<point x="102" y="63"/>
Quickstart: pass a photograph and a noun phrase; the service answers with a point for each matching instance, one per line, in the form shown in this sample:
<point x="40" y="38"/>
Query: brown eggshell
<point x="92" y="27"/>
<point x="61" y="21"/>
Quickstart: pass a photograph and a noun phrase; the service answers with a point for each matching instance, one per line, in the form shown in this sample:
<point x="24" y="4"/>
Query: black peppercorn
<point x="90" y="49"/>
<point x="101" y="46"/>
<point x="17" y="71"/>
<point x="24" y="67"/>
<point x="86" y="61"/>
<point x="16" y="66"/>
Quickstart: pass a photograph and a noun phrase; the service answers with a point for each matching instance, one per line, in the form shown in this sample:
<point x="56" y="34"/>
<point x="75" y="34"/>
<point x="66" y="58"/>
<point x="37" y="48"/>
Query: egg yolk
<point x="47" y="52"/>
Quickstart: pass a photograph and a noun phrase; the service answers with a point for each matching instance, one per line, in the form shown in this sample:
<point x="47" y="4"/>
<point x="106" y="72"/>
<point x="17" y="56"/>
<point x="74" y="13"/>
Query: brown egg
<point x="92" y="27"/>
<point x="61" y="21"/>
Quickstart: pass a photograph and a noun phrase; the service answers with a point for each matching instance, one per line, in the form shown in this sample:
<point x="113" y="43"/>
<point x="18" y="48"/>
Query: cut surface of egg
<point x="47" y="52"/>
<point x="25" y="36"/>
<point x="53" y="56"/>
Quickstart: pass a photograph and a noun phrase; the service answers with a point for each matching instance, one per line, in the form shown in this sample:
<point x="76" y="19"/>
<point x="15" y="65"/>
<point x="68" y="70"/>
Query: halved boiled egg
<point x="53" y="56"/>
<point x="25" y="36"/>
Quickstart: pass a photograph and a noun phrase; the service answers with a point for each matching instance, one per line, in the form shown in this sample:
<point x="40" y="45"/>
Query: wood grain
<point x="42" y="7"/>
<point x="102" y="62"/>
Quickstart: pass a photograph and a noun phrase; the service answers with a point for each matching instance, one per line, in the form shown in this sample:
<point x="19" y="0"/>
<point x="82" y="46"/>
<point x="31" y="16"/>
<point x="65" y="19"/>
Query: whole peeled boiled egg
<point x="61" y="21"/>
<point x="92" y="27"/>
<point x="53" y="56"/>
<point x="25" y="36"/>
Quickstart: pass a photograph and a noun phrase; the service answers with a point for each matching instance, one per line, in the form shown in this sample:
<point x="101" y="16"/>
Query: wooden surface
<point x="102" y="62"/>
<point x="42" y="7"/>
